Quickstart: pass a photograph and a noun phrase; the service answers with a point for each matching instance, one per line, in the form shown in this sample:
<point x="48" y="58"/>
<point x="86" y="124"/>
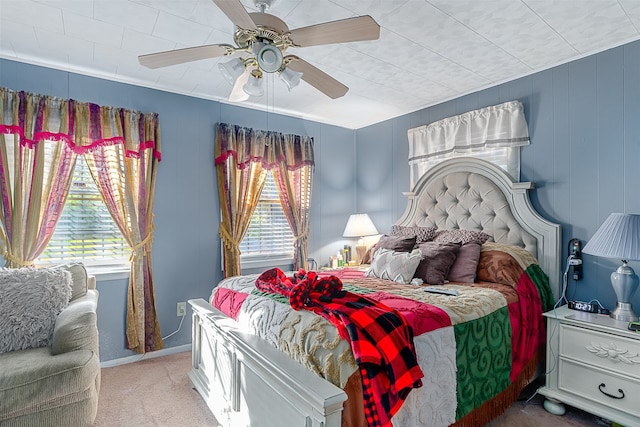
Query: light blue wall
<point x="584" y="123"/>
<point x="186" y="248"/>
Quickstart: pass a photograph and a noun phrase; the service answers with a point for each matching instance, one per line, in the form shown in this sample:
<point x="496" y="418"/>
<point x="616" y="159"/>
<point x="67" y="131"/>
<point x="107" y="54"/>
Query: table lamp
<point x="619" y="237"/>
<point x="360" y="225"/>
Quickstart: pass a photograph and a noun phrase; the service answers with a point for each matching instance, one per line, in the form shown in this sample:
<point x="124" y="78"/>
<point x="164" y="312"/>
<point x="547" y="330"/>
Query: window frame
<point x="103" y="268"/>
<point x="267" y="259"/>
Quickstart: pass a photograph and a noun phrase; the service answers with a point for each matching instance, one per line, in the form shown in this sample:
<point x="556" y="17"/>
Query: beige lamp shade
<point x="359" y="226"/>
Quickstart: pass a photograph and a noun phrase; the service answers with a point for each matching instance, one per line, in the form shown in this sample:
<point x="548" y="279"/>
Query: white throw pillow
<point x="397" y="266"/>
<point x="30" y="301"/>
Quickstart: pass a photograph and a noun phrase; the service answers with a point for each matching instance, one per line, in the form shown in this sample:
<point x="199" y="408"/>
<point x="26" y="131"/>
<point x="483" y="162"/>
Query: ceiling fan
<point x="262" y="41"/>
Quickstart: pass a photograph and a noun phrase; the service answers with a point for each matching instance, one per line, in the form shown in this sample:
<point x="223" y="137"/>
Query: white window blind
<point x="86" y="231"/>
<point x="494" y="133"/>
<point x="269" y="232"/>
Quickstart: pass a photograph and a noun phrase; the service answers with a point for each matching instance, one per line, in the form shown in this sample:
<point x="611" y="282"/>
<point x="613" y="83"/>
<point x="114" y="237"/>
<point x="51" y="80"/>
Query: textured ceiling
<point x="429" y="51"/>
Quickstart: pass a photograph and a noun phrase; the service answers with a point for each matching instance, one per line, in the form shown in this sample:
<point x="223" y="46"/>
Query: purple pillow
<point x="466" y="263"/>
<point x="396" y="243"/>
<point x="393" y="243"/>
<point x="437" y="259"/>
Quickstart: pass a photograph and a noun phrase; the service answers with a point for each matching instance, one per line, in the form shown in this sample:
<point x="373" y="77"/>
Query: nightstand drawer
<point x="600" y="386"/>
<point x="612" y="352"/>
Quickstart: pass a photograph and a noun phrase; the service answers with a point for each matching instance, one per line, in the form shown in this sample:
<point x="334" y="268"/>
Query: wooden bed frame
<point x="247" y="382"/>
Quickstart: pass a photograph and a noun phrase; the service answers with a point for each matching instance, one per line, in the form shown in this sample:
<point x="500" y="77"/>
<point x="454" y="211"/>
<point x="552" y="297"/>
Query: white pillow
<point x="30" y="301"/>
<point x="397" y="266"/>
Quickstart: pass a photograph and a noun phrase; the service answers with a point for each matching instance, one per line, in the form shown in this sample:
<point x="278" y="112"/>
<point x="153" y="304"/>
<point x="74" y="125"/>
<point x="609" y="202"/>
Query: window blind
<point x="494" y="133"/>
<point x="86" y="231"/>
<point x="269" y="232"/>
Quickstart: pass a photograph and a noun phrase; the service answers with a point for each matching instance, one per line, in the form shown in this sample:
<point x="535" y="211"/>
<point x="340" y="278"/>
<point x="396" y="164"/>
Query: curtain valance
<point x="496" y="127"/>
<point x="266" y="147"/>
<point x="501" y="125"/>
<point x="82" y="126"/>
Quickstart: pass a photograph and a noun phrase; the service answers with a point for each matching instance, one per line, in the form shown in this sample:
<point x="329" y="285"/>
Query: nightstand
<point x="593" y="363"/>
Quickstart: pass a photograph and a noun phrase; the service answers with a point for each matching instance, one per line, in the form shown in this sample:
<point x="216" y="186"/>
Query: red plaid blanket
<point x="380" y="337"/>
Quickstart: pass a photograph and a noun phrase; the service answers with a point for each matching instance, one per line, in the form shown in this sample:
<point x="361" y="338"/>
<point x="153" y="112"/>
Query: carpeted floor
<point x="156" y="393"/>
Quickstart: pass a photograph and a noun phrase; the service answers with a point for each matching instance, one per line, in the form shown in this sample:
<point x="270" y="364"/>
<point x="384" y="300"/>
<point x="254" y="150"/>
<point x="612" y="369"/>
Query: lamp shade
<point x="359" y="225"/>
<point x="290" y="78"/>
<point x="253" y="86"/>
<point x="618" y="237"/>
<point x="232" y="70"/>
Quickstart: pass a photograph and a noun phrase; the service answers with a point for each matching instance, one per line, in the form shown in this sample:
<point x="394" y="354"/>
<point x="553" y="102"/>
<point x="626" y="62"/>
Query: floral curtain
<point x="124" y="170"/>
<point x="293" y="173"/>
<point x="238" y="156"/>
<point x="36" y="166"/>
<point x="40" y="137"/>
<point x="242" y="157"/>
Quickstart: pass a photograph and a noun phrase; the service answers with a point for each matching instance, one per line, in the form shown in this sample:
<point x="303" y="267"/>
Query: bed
<point x="257" y="362"/>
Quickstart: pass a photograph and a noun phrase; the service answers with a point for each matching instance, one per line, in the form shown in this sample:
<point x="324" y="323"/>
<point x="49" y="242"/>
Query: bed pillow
<point x="397" y="266"/>
<point x="437" y="259"/>
<point x="397" y="243"/>
<point x="30" y="301"/>
<point x="466" y="263"/>
<point x="423" y="234"/>
<point x="498" y="266"/>
<point x="392" y="242"/>
<point x="462" y="236"/>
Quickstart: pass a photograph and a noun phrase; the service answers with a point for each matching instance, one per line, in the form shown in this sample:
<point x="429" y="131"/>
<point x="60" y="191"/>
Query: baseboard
<point x="149" y="355"/>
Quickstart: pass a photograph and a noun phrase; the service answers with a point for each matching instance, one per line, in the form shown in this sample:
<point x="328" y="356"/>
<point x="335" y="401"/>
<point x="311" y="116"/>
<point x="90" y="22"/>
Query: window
<point x="507" y="158"/>
<point x="269" y="234"/>
<point x="86" y="231"/>
<point x="493" y="133"/>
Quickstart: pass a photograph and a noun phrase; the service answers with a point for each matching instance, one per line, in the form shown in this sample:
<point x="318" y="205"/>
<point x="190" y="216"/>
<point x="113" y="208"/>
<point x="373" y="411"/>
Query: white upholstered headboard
<point x="473" y="194"/>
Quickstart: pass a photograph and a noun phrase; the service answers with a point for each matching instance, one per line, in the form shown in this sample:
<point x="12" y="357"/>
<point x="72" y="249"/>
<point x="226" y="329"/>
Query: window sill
<point x="265" y="261"/>
<point x="108" y="272"/>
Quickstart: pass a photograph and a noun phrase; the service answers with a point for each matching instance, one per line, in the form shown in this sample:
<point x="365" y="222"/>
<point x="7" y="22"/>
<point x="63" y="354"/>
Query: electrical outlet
<point x="182" y="309"/>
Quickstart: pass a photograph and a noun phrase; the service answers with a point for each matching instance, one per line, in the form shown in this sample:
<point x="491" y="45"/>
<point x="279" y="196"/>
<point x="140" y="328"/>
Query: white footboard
<point x="247" y="382"/>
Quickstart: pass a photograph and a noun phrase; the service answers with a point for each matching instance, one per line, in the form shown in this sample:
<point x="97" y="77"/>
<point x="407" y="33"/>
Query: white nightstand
<point x="593" y="363"/>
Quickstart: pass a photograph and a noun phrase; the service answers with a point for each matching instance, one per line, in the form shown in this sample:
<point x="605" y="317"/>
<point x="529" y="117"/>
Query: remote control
<point x="441" y="291"/>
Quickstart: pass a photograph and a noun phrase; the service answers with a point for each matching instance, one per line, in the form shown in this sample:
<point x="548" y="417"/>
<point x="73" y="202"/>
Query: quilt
<point x="476" y="349"/>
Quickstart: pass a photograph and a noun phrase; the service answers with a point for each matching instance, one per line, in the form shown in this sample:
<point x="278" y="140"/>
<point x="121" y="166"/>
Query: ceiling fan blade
<point x="319" y="79"/>
<point x="236" y="12"/>
<point x="237" y="93"/>
<point x="179" y="56"/>
<point x="342" y="31"/>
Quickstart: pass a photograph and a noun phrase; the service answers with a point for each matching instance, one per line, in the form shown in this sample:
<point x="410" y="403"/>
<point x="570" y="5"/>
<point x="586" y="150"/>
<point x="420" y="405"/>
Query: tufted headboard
<point x="473" y="194"/>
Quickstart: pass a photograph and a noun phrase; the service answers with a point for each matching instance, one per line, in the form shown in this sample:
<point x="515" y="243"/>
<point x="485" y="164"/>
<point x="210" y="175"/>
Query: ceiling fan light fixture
<point x="256" y="47"/>
<point x="290" y="78"/>
<point x="253" y="86"/>
<point x="269" y="58"/>
<point x="231" y="70"/>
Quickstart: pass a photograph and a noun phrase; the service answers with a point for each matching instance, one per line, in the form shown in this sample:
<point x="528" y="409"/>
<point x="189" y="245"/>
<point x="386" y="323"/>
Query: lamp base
<point x="624" y="312"/>
<point x="624" y="282"/>
<point x="360" y="251"/>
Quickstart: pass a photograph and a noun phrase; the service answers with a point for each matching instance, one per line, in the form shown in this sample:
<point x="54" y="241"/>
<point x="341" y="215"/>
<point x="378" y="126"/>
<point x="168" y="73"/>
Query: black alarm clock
<point x="583" y="306"/>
